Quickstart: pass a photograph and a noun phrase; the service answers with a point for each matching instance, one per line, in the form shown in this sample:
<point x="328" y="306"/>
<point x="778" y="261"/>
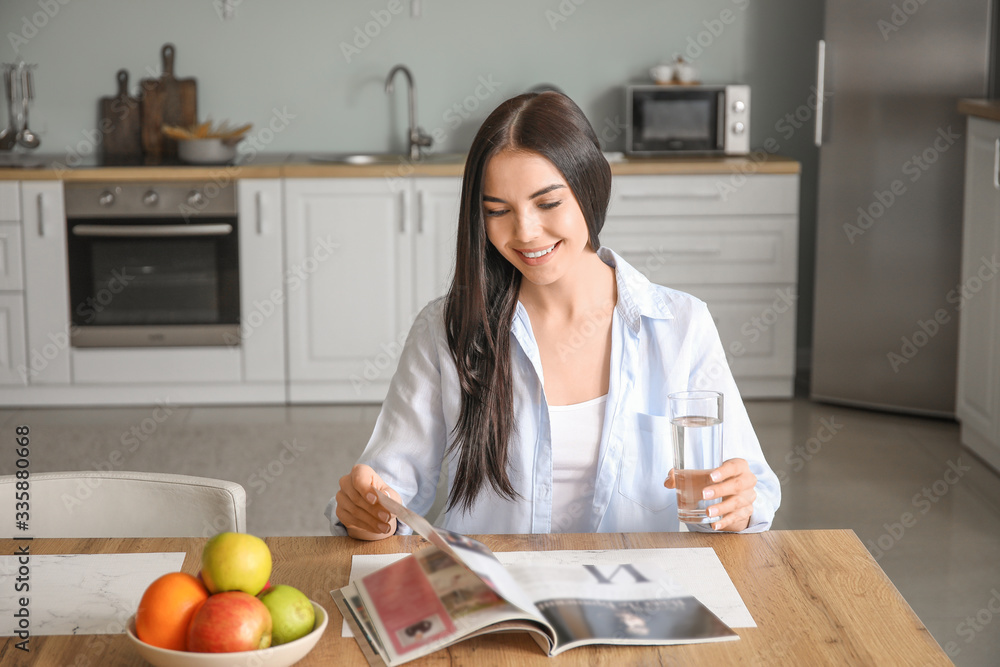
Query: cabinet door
<point x="437" y="202"/>
<point x="46" y="289"/>
<point x="347" y="253"/>
<point x="12" y="354"/>
<point x="10" y="256"/>
<point x="262" y="285"/>
<point x="10" y="201"/>
<point x="978" y="396"/>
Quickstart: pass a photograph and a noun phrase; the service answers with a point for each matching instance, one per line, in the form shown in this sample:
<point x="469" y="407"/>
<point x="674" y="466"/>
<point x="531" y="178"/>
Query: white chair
<point x="123" y="504"/>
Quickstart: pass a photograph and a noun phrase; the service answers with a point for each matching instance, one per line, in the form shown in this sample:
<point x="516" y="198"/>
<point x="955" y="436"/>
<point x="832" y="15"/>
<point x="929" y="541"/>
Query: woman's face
<point x="532" y="217"/>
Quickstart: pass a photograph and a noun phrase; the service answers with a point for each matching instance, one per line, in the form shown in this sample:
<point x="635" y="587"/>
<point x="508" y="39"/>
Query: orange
<point x="166" y="609"/>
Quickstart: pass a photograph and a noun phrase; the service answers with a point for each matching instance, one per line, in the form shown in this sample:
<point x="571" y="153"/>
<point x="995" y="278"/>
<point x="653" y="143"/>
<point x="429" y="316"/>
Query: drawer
<point x="10" y="201"/>
<point x="157" y="365"/>
<point x="711" y="251"/>
<point x="11" y="274"/>
<point x="722" y="194"/>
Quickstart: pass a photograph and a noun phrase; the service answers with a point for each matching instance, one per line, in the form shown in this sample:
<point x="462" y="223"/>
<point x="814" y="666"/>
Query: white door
<point x="46" y="287"/>
<point x="262" y="299"/>
<point x="347" y="252"/>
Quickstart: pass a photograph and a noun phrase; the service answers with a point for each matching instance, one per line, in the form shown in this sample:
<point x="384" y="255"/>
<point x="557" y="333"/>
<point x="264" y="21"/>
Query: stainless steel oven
<point x="153" y="264"/>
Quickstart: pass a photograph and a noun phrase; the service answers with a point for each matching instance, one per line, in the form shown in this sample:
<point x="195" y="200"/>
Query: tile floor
<point x="840" y="468"/>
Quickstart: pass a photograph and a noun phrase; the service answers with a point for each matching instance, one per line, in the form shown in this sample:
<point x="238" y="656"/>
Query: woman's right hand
<point x="358" y="508"/>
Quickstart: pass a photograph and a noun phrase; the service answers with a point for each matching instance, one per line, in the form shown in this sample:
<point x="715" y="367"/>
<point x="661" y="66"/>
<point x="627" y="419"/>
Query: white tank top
<point x="576" y="439"/>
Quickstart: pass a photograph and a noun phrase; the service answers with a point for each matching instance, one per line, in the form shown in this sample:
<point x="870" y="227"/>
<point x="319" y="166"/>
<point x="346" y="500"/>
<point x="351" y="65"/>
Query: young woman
<point x="542" y="377"/>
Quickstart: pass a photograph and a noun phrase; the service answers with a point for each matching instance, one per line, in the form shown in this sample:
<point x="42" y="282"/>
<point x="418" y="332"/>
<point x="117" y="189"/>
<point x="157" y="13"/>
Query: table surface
<point x="818" y="597"/>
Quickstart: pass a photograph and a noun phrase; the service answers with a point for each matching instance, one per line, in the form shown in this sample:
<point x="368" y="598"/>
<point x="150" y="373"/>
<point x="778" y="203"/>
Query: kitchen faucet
<point x="417" y="138"/>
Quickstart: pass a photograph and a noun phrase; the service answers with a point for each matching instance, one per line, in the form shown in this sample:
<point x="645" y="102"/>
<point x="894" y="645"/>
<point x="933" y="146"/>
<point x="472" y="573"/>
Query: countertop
<point x="57" y="167"/>
<point x="988" y="109"/>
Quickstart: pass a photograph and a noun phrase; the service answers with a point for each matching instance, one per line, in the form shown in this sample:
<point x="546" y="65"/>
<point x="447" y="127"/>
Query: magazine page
<point x="699" y="568"/>
<point x="472" y="553"/>
<point x="617" y="603"/>
<point x="348" y="601"/>
<point x="426" y="601"/>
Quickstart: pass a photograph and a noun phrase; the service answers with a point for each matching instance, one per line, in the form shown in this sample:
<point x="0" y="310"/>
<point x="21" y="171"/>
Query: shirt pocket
<point x="647" y="457"/>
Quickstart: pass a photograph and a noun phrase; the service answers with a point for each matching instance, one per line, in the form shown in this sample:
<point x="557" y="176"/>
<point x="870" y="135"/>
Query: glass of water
<point x="696" y="423"/>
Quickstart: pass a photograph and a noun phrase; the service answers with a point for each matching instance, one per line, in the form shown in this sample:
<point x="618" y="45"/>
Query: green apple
<point x="235" y="562"/>
<point x="292" y="614"/>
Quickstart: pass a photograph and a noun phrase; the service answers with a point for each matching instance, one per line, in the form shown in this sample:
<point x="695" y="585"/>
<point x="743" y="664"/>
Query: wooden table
<point x="817" y="596"/>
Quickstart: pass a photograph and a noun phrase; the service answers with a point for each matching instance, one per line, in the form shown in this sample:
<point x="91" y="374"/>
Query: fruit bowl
<point x="276" y="656"/>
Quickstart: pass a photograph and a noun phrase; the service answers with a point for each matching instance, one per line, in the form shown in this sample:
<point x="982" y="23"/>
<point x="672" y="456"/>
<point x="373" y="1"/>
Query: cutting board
<point x="119" y="123"/>
<point x="166" y="101"/>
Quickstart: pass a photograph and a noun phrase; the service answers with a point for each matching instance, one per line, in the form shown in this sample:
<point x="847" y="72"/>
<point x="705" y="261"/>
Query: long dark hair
<point x="483" y="297"/>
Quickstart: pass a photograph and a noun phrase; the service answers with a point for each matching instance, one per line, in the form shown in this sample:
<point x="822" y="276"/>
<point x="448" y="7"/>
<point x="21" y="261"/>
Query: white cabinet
<point x="262" y="280"/>
<point x="10" y="201"/>
<point x="731" y="241"/>
<point x="363" y="256"/>
<point x="437" y="205"/>
<point x="978" y="297"/>
<point x="11" y="274"/>
<point x="13" y="369"/>
<point x="46" y="287"/>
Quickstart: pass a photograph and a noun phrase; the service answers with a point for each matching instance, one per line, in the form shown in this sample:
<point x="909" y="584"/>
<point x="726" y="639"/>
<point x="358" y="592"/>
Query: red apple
<point x="228" y="622"/>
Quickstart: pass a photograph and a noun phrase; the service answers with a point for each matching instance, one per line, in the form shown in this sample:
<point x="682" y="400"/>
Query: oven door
<point x="665" y="121"/>
<point x="144" y="282"/>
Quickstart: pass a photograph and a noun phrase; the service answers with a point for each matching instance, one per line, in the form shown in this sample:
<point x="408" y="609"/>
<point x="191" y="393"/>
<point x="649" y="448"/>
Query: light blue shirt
<point x="663" y="341"/>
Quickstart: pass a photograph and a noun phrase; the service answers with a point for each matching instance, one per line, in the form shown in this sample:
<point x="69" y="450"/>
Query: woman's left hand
<point x="734" y="483"/>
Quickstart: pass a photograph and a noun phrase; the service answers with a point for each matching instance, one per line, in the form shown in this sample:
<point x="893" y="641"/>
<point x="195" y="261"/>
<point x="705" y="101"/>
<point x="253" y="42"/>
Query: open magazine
<point x="456" y="589"/>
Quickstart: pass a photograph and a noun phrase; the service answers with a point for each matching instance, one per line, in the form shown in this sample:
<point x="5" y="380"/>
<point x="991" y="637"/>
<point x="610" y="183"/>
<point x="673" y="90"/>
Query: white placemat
<point x="79" y="594"/>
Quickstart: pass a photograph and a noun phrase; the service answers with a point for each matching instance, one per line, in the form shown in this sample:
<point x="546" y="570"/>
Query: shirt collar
<point x="637" y="297"/>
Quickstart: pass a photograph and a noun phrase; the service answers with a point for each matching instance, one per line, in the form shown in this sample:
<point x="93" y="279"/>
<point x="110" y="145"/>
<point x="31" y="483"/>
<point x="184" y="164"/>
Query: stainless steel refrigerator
<point x="889" y="219"/>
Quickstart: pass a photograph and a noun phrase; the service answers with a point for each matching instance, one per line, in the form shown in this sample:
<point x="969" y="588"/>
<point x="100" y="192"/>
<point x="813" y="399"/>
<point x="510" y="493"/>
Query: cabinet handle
<point x="996" y="164"/>
<point x="820" y="92"/>
<point x="420" y="212"/>
<point x="700" y="252"/>
<point x="40" y="201"/>
<point x="258" y="201"/>
<point x="404" y="205"/>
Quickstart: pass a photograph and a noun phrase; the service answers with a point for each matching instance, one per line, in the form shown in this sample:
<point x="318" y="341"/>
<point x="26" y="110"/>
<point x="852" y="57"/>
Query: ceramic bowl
<point x="205" y="151"/>
<point x="276" y="656"/>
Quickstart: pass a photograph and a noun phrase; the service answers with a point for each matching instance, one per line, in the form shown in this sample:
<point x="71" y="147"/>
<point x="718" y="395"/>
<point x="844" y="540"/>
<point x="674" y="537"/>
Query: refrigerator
<point x="889" y="200"/>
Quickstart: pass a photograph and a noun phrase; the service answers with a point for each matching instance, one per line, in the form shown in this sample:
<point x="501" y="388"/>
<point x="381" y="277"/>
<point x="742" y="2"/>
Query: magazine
<point x="456" y="589"/>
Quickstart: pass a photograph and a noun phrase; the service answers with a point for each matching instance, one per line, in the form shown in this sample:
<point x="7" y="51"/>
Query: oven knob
<point x="195" y="198"/>
<point x="739" y="106"/>
<point x="150" y="198"/>
<point x="739" y="128"/>
<point x="106" y="198"/>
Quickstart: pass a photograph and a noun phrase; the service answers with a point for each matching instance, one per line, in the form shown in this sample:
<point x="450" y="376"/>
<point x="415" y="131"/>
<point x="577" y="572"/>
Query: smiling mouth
<point x="535" y="254"/>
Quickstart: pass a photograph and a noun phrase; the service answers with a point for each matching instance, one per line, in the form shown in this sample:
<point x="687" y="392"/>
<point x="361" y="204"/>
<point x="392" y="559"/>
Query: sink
<point x="356" y="158"/>
<point x="385" y="158"/>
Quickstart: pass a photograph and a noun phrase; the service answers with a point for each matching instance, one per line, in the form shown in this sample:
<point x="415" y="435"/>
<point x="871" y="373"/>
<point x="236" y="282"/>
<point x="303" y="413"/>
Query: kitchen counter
<point x="43" y="167"/>
<point x="988" y="109"/>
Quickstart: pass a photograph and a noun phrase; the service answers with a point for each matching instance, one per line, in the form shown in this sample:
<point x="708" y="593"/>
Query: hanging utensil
<point x="26" y="137"/>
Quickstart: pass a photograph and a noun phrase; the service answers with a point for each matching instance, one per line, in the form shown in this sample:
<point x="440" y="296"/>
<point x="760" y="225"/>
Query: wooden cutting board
<point x="119" y="123"/>
<point x="166" y="101"/>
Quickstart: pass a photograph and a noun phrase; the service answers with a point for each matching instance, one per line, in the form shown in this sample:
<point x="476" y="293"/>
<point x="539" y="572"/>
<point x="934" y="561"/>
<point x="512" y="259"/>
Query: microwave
<point x="677" y="120"/>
